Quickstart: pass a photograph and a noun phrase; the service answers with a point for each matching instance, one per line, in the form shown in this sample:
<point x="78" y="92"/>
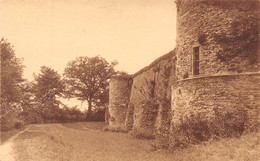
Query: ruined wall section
<point x="149" y="95"/>
<point x="226" y="33"/>
<point x="119" y="93"/>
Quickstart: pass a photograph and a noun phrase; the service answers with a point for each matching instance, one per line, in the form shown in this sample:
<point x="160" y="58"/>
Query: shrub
<point x="9" y="119"/>
<point x="229" y="122"/>
<point x="129" y="116"/>
<point x="18" y="124"/>
<point x="191" y="130"/>
<point x="98" y="115"/>
<point x="142" y="134"/>
<point x="242" y="39"/>
<point x="195" y="128"/>
<point x="5" y="124"/>
<point x="149" y="114"/>
<point x="162" y="134"/>
<point x="161" y="141"/>
<point x="115" y="129"/>
<point x="146" y="120"/>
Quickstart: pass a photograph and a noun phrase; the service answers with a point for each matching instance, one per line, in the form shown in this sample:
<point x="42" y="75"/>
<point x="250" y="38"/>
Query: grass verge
<point x="5" y="135"/>
<point x="244" y="148"/>
<point x="115" y="129"/>
<point x="85" y="125"/>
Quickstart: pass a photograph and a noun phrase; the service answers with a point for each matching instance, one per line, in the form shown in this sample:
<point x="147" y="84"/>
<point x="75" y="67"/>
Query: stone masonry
<point x="120" y="88"/>
<point x="208" y="86"/>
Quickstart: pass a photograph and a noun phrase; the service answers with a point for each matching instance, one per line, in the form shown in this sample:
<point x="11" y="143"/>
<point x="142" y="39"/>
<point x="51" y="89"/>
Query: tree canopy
<point x="39" y="101"/>
<point x="11" y="78"/>
<point x="11" y="73"/>
<point x="87" y="80"/>
<point x="47" y="88"/>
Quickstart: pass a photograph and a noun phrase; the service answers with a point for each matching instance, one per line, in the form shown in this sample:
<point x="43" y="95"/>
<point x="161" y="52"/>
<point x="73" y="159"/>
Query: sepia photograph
<point x="130" y="80"/>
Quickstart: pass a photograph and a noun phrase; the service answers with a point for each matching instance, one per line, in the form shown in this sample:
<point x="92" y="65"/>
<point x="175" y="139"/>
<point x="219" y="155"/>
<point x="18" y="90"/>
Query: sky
<point x="54" y="32"/>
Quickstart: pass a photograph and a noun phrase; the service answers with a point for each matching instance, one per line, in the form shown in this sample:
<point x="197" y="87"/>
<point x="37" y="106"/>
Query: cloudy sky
<point x="53" y="32"/>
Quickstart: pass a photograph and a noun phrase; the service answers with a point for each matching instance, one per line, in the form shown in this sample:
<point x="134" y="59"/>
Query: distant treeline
<point x="38" y="101"/>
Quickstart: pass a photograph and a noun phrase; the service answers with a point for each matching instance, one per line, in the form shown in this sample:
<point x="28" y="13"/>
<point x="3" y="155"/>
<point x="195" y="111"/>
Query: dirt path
<point x="6" y="150"/>
<point x="56" y="142"/>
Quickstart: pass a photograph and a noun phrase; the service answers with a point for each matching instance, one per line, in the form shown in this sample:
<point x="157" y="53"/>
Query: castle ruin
<point x="208" y="86"/>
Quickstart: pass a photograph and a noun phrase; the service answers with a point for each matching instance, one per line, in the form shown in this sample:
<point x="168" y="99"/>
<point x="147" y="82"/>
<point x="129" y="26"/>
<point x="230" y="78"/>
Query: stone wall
<point x="141" y="102"/>
<point x="119" y="93"/>
<point x="151" y="87"/>
<point x="167" y="99"/>
<point x="222" y="105"/>
<point x="222" y="98"/>
<point x="226" y="33"/>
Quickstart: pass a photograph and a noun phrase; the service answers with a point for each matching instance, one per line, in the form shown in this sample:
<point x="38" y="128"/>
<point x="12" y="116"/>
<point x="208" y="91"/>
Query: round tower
<point x="217" y="37"/>
<point x="119" y="93"/>
<point x="217" y="69"/>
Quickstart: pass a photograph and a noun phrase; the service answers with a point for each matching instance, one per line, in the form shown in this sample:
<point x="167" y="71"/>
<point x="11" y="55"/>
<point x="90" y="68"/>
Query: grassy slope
<point x="60" y="143"/>
<point x="245" y="148"/>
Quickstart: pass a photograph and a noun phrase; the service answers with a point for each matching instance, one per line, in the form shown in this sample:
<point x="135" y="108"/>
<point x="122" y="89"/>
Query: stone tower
<point x="217" y="67"/>
<point x="208" y="86"/>
<point x="119" y="93"/>
<point x="217" y="37"/>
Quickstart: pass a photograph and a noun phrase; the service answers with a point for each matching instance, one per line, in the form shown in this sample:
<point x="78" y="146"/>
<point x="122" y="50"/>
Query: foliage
<point x="141" y="134"/>
<point x="19" y="124"/>
<point x="243" y="39"/>
<point x="11" y="78"/>
<point x="130" y="116"/>
<point x="71" y="115"/>
<point x="195" y="128"/>
<point x="11" y="73"/>
<point x="46" y="88"/>
<point x="24" y="102"/>
<point x="239" y="35"/>
<point x="229" y="122"/>
<point x="48" y="85"/>
<point x="30" y="113"/>
<point x="87" y="80"/>
<point x="122" y="129"/>
<point x="149" y="113"/>
<point x="147" y="120"/>
<point x="163" y="129"/>
<point x="40" y="100"/>
<point x="98" y="114"/>
<point x="5" y="135"/>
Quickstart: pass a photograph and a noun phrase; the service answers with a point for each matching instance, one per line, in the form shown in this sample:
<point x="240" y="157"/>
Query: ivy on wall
<point x="242" y="40"/>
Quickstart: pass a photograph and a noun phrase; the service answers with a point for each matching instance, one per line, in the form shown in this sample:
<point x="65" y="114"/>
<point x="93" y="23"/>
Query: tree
<point x="30" y="112"/>
<point x="87" y="80"/>
<point x="47" y="88"/>
<point x="71" y="114"/>
<point x="11" y="78"/>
